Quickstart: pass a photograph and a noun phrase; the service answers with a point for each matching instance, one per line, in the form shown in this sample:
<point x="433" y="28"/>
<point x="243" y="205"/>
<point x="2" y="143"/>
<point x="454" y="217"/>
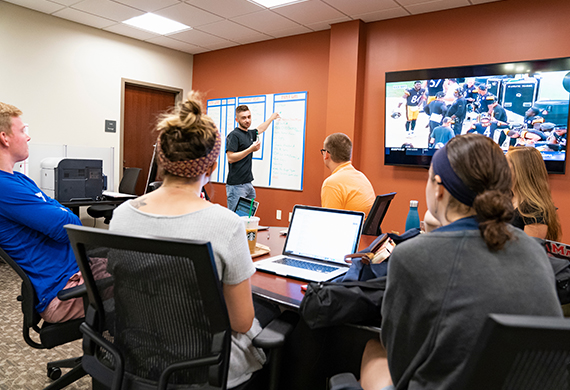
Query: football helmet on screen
<point x="396" y="114"/>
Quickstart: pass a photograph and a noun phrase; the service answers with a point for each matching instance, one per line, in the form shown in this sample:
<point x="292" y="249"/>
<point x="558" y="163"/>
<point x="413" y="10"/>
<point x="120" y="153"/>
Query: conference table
<point x="279" y="289"/>
<point x="310" y="356"/>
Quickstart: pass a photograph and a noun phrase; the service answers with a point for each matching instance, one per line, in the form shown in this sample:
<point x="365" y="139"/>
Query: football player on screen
<point x="557" y="139"/>
<point x="491" y="128"/>
<point x="436" y="110"/>
<point x="484" y="100"/>
<point x="458" y="110"/>
<point x="530" y="115"/>
<point x="433" y="86"/>
<point x="497" y="111"/>
<point x="413" y="97"/>
<point x="470" y="92"/>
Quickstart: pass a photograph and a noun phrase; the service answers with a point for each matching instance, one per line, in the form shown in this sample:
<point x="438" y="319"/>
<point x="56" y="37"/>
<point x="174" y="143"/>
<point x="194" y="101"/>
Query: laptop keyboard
<point x="306" y="265"/>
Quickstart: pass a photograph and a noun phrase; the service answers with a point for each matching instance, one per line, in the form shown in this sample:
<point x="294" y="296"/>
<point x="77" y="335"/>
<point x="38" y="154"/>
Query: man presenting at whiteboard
<point x="241" y="143"/>
<point x="346" y="188"/>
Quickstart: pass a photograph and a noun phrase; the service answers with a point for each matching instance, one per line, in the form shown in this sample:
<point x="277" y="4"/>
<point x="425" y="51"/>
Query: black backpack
<point x="559" y="256"/>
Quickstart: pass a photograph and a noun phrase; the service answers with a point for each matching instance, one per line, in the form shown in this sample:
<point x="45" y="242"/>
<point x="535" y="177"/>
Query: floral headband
<point x="190" y="168"/>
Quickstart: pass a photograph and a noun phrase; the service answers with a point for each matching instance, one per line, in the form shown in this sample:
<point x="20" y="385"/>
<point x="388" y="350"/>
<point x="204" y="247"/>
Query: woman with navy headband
<point x="442" y="285"/>
<point x="188" y="146"/>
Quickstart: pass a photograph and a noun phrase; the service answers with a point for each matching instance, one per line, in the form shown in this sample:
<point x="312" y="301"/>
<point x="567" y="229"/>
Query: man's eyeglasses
<point x="323" y="151"/>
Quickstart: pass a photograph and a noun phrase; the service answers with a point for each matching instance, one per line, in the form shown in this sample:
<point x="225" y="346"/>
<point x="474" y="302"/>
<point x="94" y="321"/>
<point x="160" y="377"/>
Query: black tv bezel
<point x="422" y="158"/>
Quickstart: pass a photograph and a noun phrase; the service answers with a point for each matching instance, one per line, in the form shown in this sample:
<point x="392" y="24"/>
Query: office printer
<point x="66" y="179"/>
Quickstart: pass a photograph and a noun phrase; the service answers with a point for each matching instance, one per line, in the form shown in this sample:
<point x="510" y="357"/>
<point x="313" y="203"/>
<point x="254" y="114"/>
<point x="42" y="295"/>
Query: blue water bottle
<point x="413" y="219"/>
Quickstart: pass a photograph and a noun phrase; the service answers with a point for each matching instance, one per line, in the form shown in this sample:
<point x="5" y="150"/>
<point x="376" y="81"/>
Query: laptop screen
<point x="323" y="234"/>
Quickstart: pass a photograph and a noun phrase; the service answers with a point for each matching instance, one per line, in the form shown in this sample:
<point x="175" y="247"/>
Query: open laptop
<point x="317" y="241"/>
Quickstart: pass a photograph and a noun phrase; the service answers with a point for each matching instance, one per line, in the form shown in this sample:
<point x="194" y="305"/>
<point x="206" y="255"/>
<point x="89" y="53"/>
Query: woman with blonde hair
<point x="534" y="209"/>
<point x="187" y="147"/>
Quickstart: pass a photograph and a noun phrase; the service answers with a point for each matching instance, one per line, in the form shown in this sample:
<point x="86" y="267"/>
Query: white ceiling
<point x="217" y="24"/>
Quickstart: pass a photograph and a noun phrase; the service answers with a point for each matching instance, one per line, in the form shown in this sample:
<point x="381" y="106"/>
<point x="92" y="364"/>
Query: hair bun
<point x="192" y="106"/>
<point x="190" y="110"/>
<point x="493" y="205"/>
<point x="494" y="210"/>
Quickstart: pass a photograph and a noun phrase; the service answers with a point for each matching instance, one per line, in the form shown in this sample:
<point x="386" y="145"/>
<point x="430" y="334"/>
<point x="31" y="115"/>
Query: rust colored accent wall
<point x="298" y="63"/>
<point x="346" y="81"/>
<point x="508" y="30"/>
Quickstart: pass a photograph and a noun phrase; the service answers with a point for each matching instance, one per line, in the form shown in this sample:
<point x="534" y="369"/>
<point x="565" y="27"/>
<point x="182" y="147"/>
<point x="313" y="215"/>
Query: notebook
<point x="317" y="241"/>
<point x="115" y="195"/>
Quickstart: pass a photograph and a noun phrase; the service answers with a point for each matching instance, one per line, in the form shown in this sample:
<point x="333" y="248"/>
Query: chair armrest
<point x="73" y="292"/>
<point x="344" y="381"/>
<point x="275" y="333"/>
<point x="81" y="291"/>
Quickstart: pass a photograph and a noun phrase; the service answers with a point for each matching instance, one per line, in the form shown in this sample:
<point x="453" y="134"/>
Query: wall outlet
<point x="278" y="215"/>
<point x="290" y="215"/>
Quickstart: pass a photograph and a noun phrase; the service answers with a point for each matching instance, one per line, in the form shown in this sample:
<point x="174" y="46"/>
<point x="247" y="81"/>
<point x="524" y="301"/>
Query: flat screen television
<point x="532" y="99"/>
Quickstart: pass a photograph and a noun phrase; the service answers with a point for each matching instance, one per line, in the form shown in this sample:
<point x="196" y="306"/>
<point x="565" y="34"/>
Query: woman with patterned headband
<point x="188" y="146"/>
<point x="442" y="285"/>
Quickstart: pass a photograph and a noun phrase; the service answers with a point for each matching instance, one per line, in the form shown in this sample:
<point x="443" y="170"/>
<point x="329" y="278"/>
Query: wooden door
<point x="142" y="105"/>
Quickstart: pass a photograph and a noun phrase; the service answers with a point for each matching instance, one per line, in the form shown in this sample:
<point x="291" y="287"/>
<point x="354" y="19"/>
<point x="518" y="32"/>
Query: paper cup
<point x="251" y="225"/>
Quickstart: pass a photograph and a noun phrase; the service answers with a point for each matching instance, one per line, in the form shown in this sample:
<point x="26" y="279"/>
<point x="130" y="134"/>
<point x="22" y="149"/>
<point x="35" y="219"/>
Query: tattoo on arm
<point x="138" y="203"/>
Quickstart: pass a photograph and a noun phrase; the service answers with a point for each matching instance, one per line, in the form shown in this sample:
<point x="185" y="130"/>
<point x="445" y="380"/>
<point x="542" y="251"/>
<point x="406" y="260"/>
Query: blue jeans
<point x="235" y="191"/>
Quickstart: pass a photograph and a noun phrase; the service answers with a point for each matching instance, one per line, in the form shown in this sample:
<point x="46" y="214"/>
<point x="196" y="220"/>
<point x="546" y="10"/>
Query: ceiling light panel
<point x="275" y="3"/>
<point x="156" y="24"/>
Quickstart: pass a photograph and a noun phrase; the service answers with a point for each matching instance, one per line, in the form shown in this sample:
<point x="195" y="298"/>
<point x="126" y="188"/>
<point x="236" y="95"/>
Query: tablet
<point x="246" y="207"/>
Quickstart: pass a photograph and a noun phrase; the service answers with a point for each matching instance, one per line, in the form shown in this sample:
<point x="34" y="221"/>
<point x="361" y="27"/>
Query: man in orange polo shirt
<point x="346" y="188"/>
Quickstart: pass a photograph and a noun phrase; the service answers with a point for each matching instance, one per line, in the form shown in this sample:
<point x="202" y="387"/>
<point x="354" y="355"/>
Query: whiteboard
<point x="279" y="163"/>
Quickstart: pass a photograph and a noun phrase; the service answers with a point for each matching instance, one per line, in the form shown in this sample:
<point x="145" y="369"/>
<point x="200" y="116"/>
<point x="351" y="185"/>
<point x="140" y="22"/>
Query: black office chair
<point x="51" y="335"/>
<point x="163" y="318"/>
<point x="522" y="353"/>
<point x="512" y="352"/>
<point x="126" y="186"/>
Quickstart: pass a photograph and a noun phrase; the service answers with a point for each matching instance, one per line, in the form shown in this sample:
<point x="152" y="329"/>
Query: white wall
<point x="66" y="77"/>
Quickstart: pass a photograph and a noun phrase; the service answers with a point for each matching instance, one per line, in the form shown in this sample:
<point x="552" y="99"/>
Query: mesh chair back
<point x="29" y="299"/>
<point x="520" y="353"/>
<point x="161" y="304"/>
<point x="128" y="183"/>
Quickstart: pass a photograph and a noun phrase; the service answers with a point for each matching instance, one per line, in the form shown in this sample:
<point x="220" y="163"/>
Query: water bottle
<point x="413" y="219"/>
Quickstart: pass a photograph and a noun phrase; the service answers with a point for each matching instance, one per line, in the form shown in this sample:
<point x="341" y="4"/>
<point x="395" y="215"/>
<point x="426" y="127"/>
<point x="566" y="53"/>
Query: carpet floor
<point x="21" y="366"/>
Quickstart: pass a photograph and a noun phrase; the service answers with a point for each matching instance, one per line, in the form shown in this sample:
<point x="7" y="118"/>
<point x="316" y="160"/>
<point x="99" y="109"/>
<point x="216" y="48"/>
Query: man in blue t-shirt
<point x="241" y="143"/>
<point x="31" y="225"/>
<point x="441" y="134"/>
